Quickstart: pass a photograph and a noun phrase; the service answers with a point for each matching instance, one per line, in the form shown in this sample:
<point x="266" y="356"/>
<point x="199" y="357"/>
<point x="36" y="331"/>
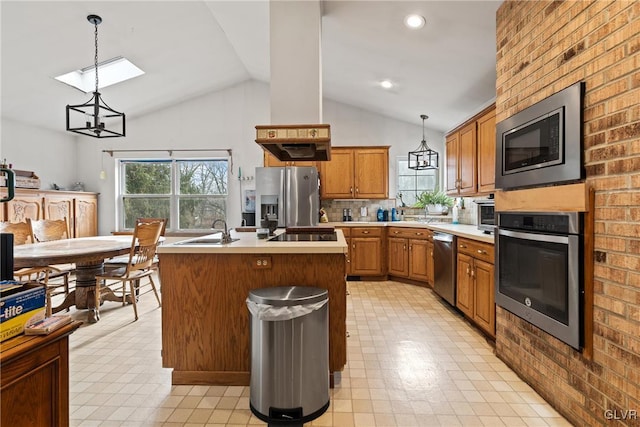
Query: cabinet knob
<point x="480" y="251"/>
<point x="468" y="271"/>
<point x="395" y="232"/>
<point x="462" y="246"/>
<point x="357" y="190"/>
<point x="418" y="234"/>
<point x="351" y="190"/>
<point x="473" y="273"/>
<point x="365" y="232"/>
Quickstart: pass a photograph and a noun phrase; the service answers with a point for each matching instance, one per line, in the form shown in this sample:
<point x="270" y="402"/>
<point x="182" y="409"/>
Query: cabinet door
<point x="371" y="173"/>
<point x="464" y="293"/>
<point x="487" y="152"/>
<point x="366" y="257"/>
<point x="398" y="261"/>
<point x="348" y="263"/>
<point x="467" y="159"/>
<point x="271" y="161"/>
<point x="484" y="304"/>
<point x="430" y="265"/>
<point x="58" y="208"/>
<point x="86" y="216"/>
<point x="336" y="175"/>
<point x="23" y="206"/>
<point x="418" y="266"/>
<point x="452" y="163"/>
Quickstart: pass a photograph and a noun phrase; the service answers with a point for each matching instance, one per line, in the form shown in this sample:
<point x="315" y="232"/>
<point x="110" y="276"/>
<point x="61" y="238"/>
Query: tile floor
<point x="412" y="361"/>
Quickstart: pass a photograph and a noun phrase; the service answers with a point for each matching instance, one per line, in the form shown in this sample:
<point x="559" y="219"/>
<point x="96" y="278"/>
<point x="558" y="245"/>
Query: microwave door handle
<point x="538" y="237"/>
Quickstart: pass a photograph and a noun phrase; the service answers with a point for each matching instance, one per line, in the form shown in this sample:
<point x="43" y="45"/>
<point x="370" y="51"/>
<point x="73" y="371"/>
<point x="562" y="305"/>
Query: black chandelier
<point x="95" y="118"/>
<point x="423" y="157"/>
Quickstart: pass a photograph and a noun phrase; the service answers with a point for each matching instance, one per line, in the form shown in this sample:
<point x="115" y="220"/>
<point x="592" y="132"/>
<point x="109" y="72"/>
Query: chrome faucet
<point x="226" y="235"/>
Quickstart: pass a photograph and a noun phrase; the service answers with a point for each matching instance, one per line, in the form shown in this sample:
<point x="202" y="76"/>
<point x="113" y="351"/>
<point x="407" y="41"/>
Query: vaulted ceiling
<point x="189" y="48"/>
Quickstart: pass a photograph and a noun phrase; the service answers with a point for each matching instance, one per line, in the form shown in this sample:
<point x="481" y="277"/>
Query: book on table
<point x="47" y="325"/>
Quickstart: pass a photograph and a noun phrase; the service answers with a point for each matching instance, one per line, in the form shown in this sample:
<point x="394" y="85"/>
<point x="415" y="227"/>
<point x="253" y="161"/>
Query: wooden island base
<point x="205" y="320"/>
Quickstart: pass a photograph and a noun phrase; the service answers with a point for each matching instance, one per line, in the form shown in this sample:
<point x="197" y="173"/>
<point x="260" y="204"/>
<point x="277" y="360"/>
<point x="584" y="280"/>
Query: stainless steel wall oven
<point x="538" y="270"/>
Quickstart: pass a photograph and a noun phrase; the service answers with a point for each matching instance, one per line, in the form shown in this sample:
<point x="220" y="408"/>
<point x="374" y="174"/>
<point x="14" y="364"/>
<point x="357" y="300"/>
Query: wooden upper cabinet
<point x="336" y="175"/>
<point x="470" y="156"/>
<point x="487" y="152"/>
<point x="452" y="149"/>
<point x="355" y="173"/>
<point x="371" y="173"/>
<point x="467" y="160"/>
<point x="271" y="161"/>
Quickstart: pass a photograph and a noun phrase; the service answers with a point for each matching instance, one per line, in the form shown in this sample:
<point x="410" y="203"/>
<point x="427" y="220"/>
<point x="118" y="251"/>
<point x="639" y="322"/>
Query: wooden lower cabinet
<point x="430" y="263"/>
<point x="366" y="251"/>
<point x="80" y="208"/>
<point x="409" y="253"/>
<point x="34" y="380"/>
<point x="475" y="283"/>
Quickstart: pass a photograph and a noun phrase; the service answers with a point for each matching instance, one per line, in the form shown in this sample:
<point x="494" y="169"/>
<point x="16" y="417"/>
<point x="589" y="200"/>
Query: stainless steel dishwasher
<point x="444" y="261"/>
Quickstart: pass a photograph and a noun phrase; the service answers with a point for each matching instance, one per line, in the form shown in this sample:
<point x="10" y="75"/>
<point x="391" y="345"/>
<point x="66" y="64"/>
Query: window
<point x="190" y="193"/>
<point x="412" y="182"/>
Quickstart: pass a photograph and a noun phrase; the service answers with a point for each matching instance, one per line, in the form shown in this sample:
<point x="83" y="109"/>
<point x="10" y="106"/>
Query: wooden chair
<point x="46" y="230"/>
<point x="23" y="234"/>
<point x="121" y="260"/>
<point x="140" y="265"/>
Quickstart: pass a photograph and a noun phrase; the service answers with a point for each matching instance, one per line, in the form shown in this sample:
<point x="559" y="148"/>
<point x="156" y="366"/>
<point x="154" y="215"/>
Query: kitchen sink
<point x="205" y="241"/>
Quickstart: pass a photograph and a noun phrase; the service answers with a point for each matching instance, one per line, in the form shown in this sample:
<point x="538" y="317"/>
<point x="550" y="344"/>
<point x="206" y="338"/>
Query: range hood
<point x="296" y="142"/>
<point x="296" y="84"/>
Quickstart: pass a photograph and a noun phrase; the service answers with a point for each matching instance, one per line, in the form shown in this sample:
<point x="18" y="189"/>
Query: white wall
<point x="50" y="154"/>
<point x="224" y="119"/>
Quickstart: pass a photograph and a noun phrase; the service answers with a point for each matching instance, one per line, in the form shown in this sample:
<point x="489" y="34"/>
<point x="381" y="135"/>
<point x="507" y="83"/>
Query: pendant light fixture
<point x="95" y="118"/>
<point x="423" y="157"/>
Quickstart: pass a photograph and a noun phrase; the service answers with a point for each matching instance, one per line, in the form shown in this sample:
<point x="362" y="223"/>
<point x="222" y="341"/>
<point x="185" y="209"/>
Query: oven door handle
<point x="532" y="236"/>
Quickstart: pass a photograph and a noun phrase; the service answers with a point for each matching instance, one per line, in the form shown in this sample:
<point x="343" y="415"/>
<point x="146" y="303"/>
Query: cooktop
<point x="305" y="237"/>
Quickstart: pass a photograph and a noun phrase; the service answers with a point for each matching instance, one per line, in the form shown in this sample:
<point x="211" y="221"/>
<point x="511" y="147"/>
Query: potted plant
<point x="435" y="202"/>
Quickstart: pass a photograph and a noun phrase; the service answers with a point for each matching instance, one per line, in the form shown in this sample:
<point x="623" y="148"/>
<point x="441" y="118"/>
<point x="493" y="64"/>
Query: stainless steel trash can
<point x="289" y="354"/>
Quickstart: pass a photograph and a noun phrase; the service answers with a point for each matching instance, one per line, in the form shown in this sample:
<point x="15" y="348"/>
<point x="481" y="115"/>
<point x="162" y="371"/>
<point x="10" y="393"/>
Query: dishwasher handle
<point x="443" y="237"/>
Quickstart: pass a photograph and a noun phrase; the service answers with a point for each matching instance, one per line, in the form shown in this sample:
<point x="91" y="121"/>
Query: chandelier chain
<point x="95" y="59"/>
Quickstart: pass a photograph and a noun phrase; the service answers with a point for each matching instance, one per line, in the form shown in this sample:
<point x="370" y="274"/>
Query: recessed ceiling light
<point x="386" y="84"/>
<point x="414" y="21"/>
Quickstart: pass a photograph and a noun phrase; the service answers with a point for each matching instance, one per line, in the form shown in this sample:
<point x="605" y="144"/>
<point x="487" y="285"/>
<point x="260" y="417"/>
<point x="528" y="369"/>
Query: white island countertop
<point x="248" y="243"/>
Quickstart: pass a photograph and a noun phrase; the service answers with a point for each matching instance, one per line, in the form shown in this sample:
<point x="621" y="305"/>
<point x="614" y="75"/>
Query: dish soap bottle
<point x="380" y="214"/>
<point x="455" y="212"/>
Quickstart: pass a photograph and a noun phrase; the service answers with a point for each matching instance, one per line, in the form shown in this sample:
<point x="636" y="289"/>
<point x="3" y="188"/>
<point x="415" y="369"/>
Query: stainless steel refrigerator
<point x="290" y="195"/>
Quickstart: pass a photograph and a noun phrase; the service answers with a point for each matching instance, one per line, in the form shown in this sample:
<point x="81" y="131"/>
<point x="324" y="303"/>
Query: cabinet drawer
<point x="410" y="233"/>
<point x="366" y="231"/>
<point x="478" y="250"/>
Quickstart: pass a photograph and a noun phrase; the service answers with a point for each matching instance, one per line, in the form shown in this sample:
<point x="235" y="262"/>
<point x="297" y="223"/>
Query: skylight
<point x="110" y="72"/>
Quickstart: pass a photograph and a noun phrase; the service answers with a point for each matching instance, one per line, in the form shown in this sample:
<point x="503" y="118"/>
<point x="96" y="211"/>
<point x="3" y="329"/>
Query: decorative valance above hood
<point x="296" y="142"/>
<point x="295" y="84"/>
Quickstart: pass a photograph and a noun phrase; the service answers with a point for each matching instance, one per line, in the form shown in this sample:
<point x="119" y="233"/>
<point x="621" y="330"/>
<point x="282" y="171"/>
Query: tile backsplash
<point x="466" y="215"/>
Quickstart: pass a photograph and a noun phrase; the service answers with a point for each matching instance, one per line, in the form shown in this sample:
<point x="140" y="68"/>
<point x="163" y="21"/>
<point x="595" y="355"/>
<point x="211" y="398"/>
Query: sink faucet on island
<point x="205" y="322"/>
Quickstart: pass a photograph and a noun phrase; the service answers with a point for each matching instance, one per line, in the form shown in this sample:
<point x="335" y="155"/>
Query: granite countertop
<point x="248" y="243"/>
<point x="461" y="230"/>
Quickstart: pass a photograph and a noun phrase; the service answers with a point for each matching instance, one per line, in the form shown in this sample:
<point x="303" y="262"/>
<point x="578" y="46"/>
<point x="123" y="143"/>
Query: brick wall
<point x="543" y="47"/>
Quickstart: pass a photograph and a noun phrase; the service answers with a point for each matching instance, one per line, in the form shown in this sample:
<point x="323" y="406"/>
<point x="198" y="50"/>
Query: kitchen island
<point x="205" y="320"/>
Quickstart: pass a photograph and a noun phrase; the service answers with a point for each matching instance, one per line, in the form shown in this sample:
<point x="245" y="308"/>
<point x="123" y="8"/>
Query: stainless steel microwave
<point x="486" y="215"/>
<point x="542" y="144"/>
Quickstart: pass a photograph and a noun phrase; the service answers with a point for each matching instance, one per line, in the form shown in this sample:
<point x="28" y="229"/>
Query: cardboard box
<point x="20" y="306"/>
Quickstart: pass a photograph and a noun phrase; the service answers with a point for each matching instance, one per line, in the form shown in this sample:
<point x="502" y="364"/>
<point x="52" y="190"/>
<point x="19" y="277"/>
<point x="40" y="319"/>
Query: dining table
<point x="88" y="254"/>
